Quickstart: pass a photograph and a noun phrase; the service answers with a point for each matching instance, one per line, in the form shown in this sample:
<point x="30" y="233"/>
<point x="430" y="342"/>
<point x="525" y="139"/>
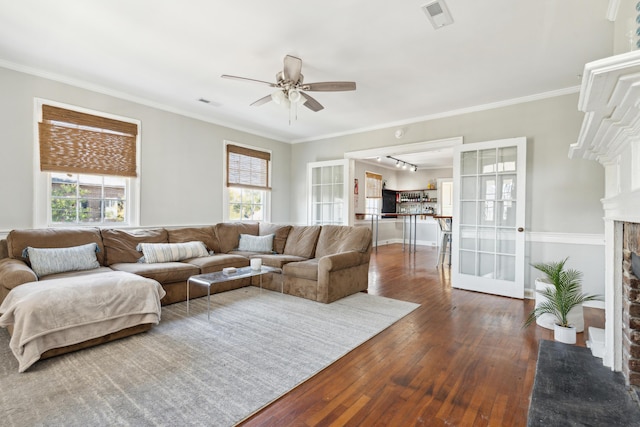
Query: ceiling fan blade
<point x="329" y="86"/>
<point x="311" y="103"/>
<point x="261" y="101"/>
<point x="292" y="68"/>
<point x="244" y="79"/>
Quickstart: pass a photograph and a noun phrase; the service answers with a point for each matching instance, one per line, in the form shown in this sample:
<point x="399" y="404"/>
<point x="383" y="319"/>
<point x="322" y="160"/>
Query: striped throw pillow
<point x="168" y="252"/>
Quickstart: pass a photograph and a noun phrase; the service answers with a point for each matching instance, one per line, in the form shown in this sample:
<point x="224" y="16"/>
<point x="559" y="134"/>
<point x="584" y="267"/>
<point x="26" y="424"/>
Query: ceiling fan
<point x="291" y="87"/>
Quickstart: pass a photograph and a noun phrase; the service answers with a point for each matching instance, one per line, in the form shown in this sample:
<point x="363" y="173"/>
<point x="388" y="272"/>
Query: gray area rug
<point x="573" y="388"/>
<point x="189" y="371"/>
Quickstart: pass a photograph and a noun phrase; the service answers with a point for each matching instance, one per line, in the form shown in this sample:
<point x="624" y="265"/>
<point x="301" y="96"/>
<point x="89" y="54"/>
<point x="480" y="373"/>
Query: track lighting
<point x="412" y="167"/>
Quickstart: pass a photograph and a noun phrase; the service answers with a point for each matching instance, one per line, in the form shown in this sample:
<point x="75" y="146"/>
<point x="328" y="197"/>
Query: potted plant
<point x="564" y="294"/>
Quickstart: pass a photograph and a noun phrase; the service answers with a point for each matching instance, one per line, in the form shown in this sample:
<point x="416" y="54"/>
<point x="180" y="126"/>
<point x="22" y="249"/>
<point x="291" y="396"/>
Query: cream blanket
<point x="59" y="312"/>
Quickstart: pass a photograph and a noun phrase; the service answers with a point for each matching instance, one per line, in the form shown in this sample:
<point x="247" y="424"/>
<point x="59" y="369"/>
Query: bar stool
<point x="445" y="246"/>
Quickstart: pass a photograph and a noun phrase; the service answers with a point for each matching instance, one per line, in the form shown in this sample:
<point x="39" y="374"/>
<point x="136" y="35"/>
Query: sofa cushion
<point x="45" y="261"/>
<point x="120" y="245"/>
<point x="207" y="235"/>
<point x="341" y="238"/>
<point x="166" y="252"/>
<point x="217" y="262"/>
<point x="302" y="241"/>
<point x="4" y="249"/>
<point x="228" y="233"/>
<point x="280" y="232"/>
<point x="164" y="272"/>
<point x="98" y="270"/>
<point x="18" y="240"/>
<point x="278" y="260"/>
<point x="303" y="269"/>
<point x="260" y="244"/>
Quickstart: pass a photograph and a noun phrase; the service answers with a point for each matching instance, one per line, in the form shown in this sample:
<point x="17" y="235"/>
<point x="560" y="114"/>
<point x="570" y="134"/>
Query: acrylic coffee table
<point x="210" y="279"/>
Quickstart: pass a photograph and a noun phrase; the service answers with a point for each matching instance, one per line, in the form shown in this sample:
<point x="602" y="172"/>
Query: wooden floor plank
<point x="460" y="359"/>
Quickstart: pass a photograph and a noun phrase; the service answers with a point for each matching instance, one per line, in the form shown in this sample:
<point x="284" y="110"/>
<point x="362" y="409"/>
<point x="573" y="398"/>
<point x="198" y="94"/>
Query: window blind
<point x="75" y="142"/>
<point x="373" y="185"/>
<point x="247" y="168"/>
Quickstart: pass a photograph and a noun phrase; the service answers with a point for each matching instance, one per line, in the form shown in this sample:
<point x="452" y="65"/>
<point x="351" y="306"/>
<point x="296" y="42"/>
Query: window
<point x="373" y="192"/>
<point x="87" y="168"/>
<point x="248" y="186"/>
<point x="77" y="198"/>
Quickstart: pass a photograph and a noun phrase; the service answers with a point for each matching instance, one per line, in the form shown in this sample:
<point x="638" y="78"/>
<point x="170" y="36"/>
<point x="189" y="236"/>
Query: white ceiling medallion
<point x="438" y="13"/>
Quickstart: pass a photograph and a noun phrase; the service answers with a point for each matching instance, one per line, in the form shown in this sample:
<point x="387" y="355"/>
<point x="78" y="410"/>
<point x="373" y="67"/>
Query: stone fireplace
<point x="631" y="304"/>
<point x="610" y="135"/>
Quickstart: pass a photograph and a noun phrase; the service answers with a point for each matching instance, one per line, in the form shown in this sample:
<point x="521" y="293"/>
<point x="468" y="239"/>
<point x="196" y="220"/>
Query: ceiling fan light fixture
<point x="278" y="97"/>
<point x="295" y="96"/>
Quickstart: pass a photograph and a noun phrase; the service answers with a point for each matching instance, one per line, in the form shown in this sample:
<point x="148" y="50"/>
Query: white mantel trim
<point x="610" y="134"/>
<point x="608" y="96"/>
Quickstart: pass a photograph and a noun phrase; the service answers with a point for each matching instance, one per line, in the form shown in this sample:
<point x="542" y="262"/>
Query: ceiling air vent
<point x="438" y="13"/>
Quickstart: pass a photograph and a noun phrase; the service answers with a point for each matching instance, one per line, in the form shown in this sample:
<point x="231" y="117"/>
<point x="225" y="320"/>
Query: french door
<point x="328" y="192"/>
<point x="489" y="215"/>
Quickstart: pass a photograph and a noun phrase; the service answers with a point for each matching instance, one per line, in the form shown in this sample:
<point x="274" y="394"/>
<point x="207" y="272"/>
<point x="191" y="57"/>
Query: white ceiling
<point x="171" y="53"/>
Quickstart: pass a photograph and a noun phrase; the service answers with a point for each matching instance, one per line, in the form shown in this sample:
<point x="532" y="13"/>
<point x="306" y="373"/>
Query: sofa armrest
<point x="14" y="272"/>
<point x="340" y="261"/>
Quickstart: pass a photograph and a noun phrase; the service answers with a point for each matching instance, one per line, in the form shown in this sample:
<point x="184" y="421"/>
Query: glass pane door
<point x="328" y="194"/>
<point x="489" y="222"/>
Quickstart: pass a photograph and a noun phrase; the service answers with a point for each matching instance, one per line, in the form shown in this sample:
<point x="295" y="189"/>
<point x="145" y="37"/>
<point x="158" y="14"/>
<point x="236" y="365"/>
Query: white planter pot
<point x="565" y="335"/>
<point x="547" y="320"/>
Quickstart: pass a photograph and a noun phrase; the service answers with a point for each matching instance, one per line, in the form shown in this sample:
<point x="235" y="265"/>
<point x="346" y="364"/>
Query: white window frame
<point x="225" y="190"/>
<point x="42" y="180"/>
<point x="373" y="205"/>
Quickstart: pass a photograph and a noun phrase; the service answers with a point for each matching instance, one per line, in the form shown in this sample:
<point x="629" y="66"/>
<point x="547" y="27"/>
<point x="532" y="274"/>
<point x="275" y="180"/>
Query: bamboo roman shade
<point x="247" y="168"/>
<point x="76" y="142"/>
<point x="373" y="185"/>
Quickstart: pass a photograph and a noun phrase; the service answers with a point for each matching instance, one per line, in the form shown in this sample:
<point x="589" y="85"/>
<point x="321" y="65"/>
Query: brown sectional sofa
<point x="322" y="263"/>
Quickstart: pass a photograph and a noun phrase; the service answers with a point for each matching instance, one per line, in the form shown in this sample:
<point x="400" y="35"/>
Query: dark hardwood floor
<point x="460" y="359"/>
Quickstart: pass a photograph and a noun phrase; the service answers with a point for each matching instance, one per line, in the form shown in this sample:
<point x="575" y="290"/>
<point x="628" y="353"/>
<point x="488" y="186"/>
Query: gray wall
<point x="182" y="179"/>
<point x="181" y="174"/>
<point x="563" y="196"/>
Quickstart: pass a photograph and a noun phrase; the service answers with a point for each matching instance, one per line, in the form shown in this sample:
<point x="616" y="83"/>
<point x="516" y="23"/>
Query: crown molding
<point x="82" y="84"/>
<point x="452" y="113"/>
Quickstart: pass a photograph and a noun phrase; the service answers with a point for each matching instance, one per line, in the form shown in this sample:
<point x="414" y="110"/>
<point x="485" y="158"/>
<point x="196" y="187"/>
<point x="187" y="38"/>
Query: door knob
<point x="520" y="229"/>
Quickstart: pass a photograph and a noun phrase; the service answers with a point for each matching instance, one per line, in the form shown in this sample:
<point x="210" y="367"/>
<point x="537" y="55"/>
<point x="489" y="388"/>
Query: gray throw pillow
<point x="45" y="261"/>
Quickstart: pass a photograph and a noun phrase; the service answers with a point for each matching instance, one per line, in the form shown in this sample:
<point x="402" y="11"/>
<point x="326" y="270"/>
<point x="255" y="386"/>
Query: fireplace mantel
<point x="610" y="134"/>
<point x="609" y="95"/>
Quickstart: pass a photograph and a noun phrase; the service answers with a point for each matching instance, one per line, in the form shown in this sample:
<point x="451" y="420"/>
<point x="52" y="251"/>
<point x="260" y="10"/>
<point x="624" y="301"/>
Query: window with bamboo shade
<point x="373" y="192"/>
<point x="248" y="185"/>
<point x="373" y="185"/>
<point x="71" y="141"/>
<point x="90" y="162"/>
